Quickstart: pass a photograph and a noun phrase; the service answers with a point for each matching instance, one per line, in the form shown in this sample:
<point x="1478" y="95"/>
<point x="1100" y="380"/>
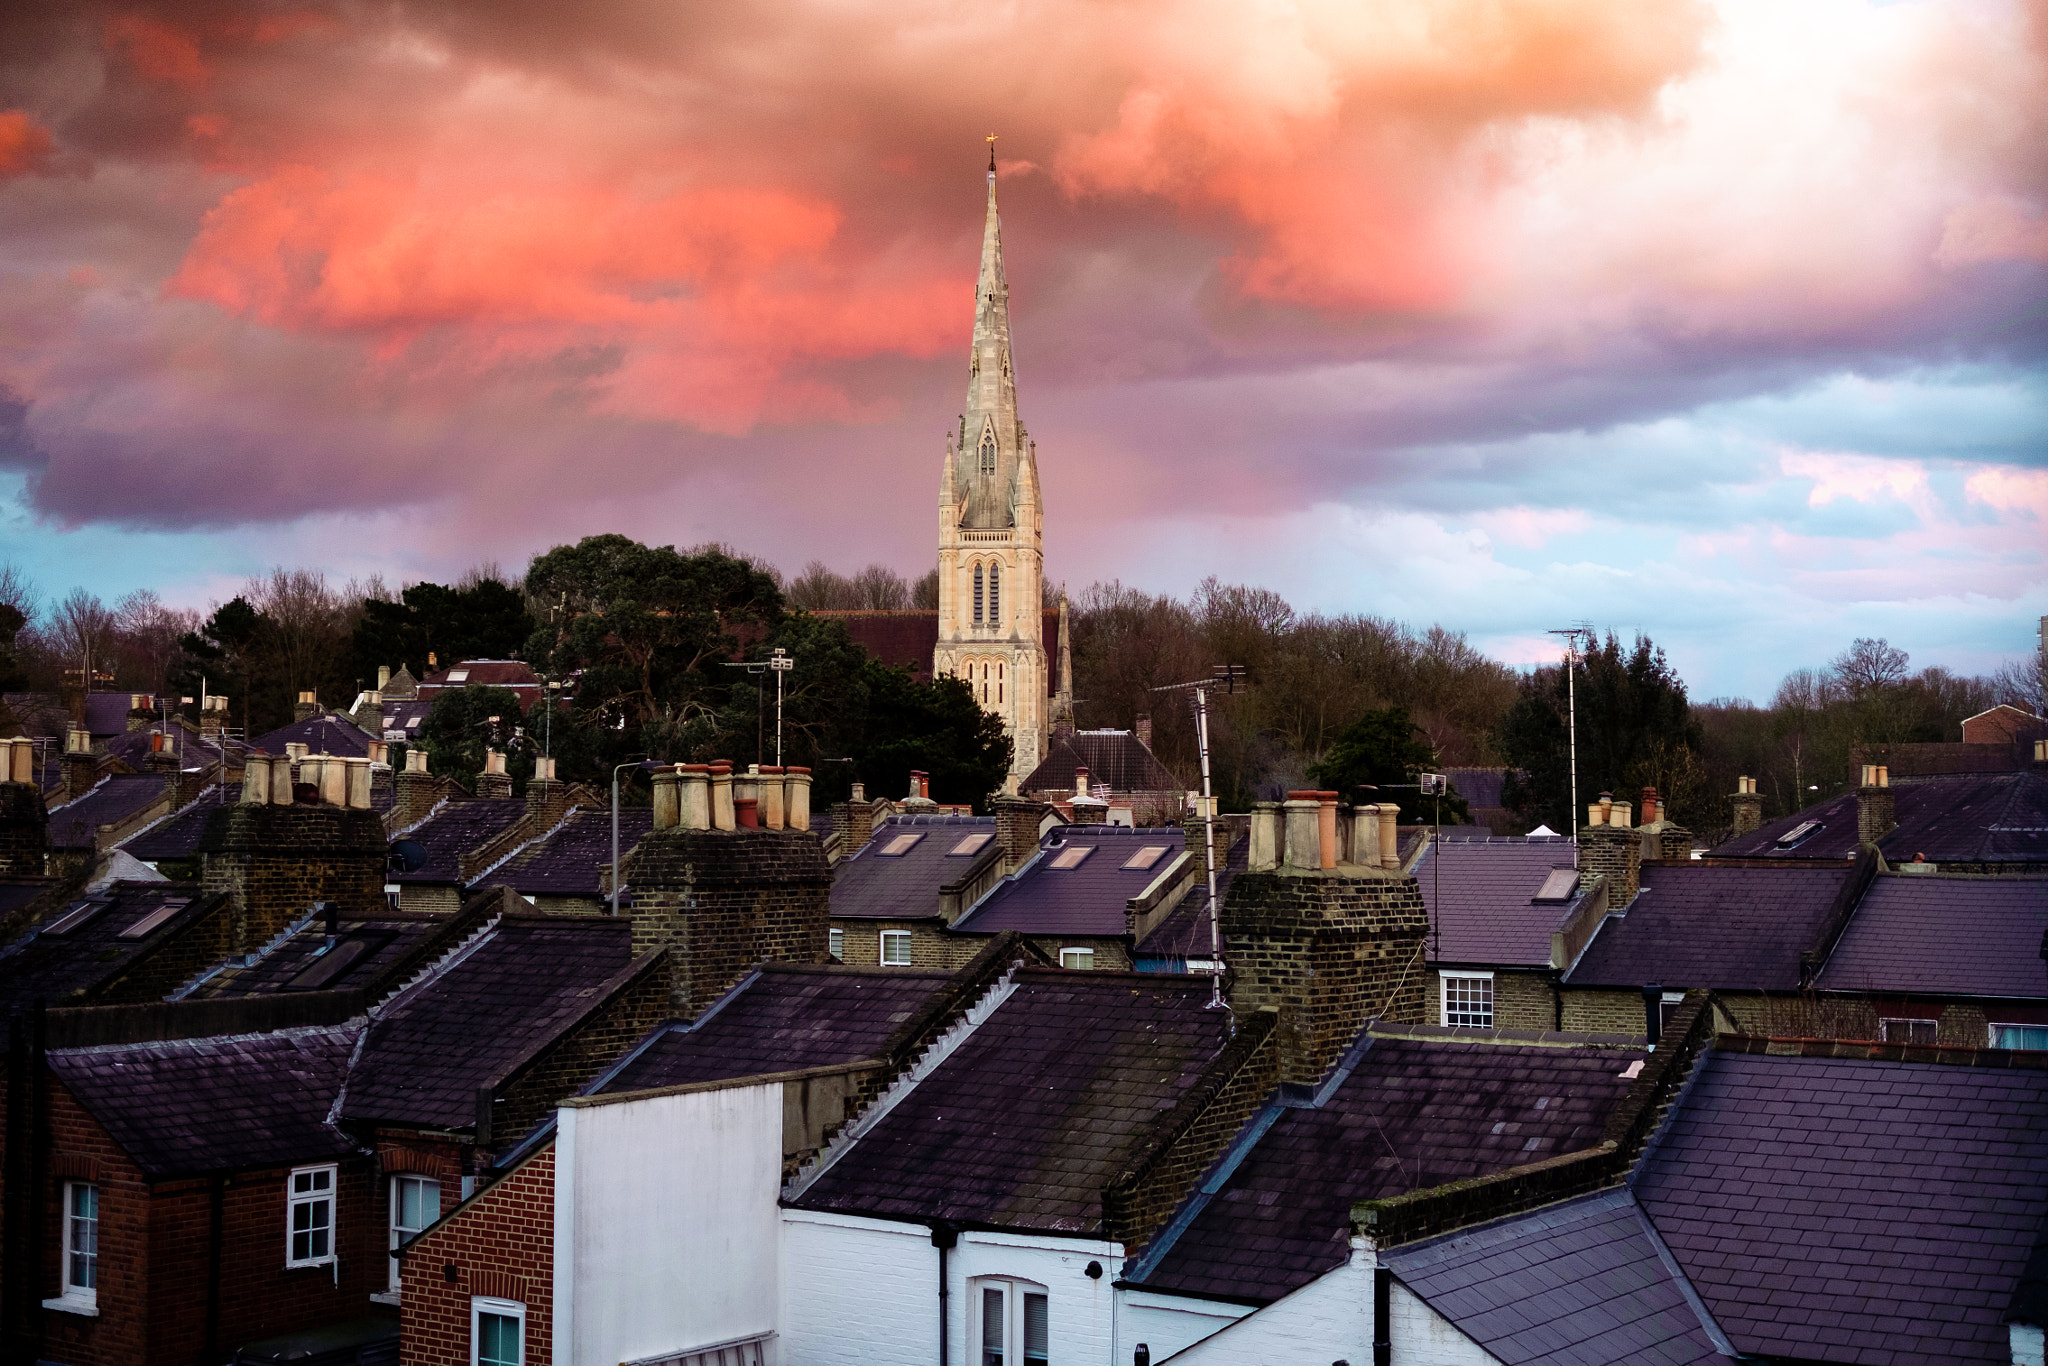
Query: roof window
<point x="155" y="918"/>
<point x="1800" y="833"/>
<point x="898" y="847"/>
<point x="458" y="675"/>
<point x="1145" y="858"/>
<point x="75" y="917"/>
<point x="973" y="844"/>
<point x="1559" y="885"/>
<point x="329" y="964"/>
<point x="1073" y="855"/>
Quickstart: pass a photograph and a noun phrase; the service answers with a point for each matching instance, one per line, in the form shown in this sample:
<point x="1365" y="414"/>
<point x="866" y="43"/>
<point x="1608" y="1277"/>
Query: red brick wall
<point x="154" y="1247"/>
<point x="503" y="1244"/>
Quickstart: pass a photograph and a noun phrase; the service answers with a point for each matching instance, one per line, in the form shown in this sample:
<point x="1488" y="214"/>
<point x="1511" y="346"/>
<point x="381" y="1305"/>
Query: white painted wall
<point x="1330" y="1319"/>
<point x="865" y="1292"/>
<point x="1171" y="1323"/>
<point x="666" y="1224"/>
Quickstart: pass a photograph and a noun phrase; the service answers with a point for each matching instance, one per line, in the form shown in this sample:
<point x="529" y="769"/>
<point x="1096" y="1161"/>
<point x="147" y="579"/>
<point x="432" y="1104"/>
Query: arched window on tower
<point x="977" y="595"/>
<point x="995" y="593"/>
<point x="988" y="450"/>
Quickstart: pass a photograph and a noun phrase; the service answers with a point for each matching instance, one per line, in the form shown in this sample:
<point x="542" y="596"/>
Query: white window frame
<point x="77" y="1299"/>
<point x="294" y="1200"/>
<point x="480" y="1305"/>
<point x="401" y="1232"/>
<point x="889" y="939"/>
<point x="1884" y="1022"/>
<point x="1445" y="977"/>
<point x="1997" y="1025"/>
<point x="1088" y="966"/>
<point x="1011" y="1332"/>
<point x="835" y="942"/>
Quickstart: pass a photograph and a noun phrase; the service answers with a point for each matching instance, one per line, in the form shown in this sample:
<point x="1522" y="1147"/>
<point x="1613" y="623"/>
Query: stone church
<point x="992" y="622"/>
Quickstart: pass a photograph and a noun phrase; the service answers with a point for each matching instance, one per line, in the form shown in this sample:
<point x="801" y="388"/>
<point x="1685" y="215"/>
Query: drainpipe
<point x="944" y="1237"/>
<point x="1382" y="1316"/>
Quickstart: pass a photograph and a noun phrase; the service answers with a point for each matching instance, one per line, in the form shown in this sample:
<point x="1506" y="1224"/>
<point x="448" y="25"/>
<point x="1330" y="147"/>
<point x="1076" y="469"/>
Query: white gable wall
<point x="666" y="1225"/>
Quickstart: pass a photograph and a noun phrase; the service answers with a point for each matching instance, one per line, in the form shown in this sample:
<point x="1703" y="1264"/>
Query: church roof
<point x="1115" y="757"/>
<point x="909" y="638"/>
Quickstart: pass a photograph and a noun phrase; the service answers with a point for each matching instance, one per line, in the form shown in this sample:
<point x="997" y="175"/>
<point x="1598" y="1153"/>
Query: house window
<point x="1014" y="1325"/>
<point x="2029" y="1036"/>
<point x="309" y="1225"/>
<point x="81" y="1242"/>
<point x="415" y="1203"/>
<point x="977" y="594"/>
<point x="895" y="948"/>
<point x="1908" y="1031"/>
<point x="1083" y="959"/>
<point x="837" y="940"/>
<point x="497" y="1332"/>
<point x="1468" y="999"/>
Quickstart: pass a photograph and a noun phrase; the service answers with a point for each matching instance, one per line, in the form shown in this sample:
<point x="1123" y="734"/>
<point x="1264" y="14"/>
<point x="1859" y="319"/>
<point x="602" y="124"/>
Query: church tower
<point x="991" y="555"/>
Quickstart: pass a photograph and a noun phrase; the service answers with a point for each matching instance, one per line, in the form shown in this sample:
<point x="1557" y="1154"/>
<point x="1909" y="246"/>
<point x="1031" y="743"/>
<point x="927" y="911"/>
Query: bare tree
<point x="819" y="589"/>
<point x="1869" y="665"/>
<point x="148" y="634"/>
<point x="83" y="629"/>
<point x="19" y="592"/>
<point x="924" y="594"/>
<point x="881" y="589"/>
<point x="309" y="618"/>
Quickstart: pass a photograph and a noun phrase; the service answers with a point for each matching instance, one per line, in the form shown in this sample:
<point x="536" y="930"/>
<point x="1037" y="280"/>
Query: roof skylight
<point x="1072" y="855"/>
<point x="1559" y="885"/>
<point x="141" y="928"/>
<point x="972" y="844"/>
<point x="901" y="845"/>
<point x="1145" y="857"/>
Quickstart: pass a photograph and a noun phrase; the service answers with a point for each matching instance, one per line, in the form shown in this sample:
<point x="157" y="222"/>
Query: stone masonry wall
<point x="1328" y="952"/>
<point x="502" y="1245"/>
<point x="723" y="900"/>
<point x="276" y="861"/>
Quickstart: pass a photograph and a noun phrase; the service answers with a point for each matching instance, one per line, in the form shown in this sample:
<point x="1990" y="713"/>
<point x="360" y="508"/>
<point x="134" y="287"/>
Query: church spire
<point x="992" y="444"/>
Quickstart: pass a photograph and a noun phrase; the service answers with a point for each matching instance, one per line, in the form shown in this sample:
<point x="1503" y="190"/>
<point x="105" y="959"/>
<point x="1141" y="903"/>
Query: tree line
<point x="660" y="652"/>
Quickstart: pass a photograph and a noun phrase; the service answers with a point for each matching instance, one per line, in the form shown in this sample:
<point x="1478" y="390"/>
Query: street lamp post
<point x="642" y="765"/>
<point x="1226" y="677"/>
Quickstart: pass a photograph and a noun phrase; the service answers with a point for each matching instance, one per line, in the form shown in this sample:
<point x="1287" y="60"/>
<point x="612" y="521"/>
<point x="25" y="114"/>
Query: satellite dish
<point x="408" y="856"/>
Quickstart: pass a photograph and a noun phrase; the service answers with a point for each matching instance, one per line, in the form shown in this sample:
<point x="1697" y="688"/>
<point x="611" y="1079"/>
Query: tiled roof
<point x="1945" y="936"/>
<point x="1854" y="1210"/>
<point x="1480" y="894"/>
<point x="133" y="748"/>
<point x="1114" y="757"/>
<point x="1035" y="1111"/>
<point x="113" y="800"/>
<point x="176" y="836"/>
<point x="1186" y="931"/>
<point x="365" y="949"/>
<point x="327" y="733"/>
<point x="1951" y="818"/>
<point x="1413" y="1113"/>
<point x="484" y="673"/>
<point x="216" y="1104"/>
<point x="1697" y="925"/>
<point x="1577" y="1284"/>
<point x="432" y="1046"/>
<point x="92" y="950"/>
<point x="906" y="886"/>
<point x="787" y="1017"/>
<point x="460" y="827"/>
<point x="1088" y="898"/>
<point x="574" y="859"/>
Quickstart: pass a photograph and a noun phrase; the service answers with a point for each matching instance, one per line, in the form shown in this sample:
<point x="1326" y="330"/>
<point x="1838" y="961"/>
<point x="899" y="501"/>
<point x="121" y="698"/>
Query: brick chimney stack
<point x="494" y="781"/>
<point x="307" y="707"/>
<point x="855" y="820"/>
<point x="274" y="861"/>
<point x="1017" y="822"/>
<point x="1143" y="727"/>
<point x="547" y="797"/>
<point x="1614" y="851"/>
<point x="1748" y="805"/>
<point x="417" y="791"/>
<point x="24" y="821"/>
<point x="1876" y="808"/>
<point x="81" y="765"/>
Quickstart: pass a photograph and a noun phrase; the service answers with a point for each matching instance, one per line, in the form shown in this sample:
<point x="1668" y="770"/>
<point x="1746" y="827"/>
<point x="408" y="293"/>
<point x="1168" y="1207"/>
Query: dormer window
<point x="988" y="450"/>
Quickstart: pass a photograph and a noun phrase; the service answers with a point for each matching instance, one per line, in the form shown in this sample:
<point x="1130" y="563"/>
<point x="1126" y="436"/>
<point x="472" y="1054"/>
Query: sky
<point x="1719" y="320"/>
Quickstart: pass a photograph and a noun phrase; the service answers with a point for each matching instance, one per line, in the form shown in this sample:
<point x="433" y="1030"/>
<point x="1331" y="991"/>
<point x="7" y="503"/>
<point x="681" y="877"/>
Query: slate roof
<point x="784" y="1018"/>
<point x="1185" y="933"/>
<point x="1414" y="1112"/>
<point x="1951" y="818"/>
<point x="1114" y="757"/>
<point x="16" y="893"/>
<point x="176" y="836"/>
<point x="573" y="859"/>
<point x="1698" y="925"/>
<point x="1945" y="936"/>
<point x="1480" y="894"/>
<point x="871" y="884"/>
<point x="216" y="1104"/>
<point x="406" y="714"/>
<point x="327" y="733"/>
<point x="460" y="827"/>
<point x="519" y="984"/>
<point x="1576" y="1284"/>
<point x="1086" y="899"/>
<point x="111" y="801"/>
<point x="1854" y="1210"/>
<point x="133" y="748"/>
<point x="1035" y="1111"/>
<point x="79" y="958"/>
<point x="298" y="959"/>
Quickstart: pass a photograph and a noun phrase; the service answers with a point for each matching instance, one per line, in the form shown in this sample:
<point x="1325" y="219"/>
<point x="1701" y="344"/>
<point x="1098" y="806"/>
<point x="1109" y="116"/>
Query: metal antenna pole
<point x="1571" y="693"/>
<point x="1209" y="844"/>
<point x="779" y="660"/>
